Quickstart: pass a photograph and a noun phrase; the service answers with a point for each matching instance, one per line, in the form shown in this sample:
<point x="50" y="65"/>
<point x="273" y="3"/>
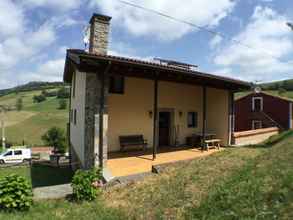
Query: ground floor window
<point x="256" y="124"/>
<point x="192" y="119"/>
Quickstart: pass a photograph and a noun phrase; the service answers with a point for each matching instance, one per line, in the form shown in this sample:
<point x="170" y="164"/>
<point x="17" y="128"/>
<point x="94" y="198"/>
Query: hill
<point x="29" y="124"/>
<point x="285" y="84"/>
<point x="31" y="86"/>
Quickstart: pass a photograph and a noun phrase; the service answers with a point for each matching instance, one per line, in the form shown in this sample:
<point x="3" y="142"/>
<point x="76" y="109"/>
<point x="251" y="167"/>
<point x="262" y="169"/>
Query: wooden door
<point x="164" y="128"/>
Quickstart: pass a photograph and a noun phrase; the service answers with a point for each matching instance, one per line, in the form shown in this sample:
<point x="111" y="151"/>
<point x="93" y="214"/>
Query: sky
<point x="34" y="36"/>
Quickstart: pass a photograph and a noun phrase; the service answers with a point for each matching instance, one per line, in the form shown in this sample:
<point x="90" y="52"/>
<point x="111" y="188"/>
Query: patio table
<point x="208" y="136"/>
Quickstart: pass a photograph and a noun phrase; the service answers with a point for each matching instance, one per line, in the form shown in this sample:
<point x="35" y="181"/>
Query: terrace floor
<point x="135" y="162"/>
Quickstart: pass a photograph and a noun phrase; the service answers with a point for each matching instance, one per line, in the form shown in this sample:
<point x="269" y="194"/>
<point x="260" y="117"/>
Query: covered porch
<point x="136" y="162"/>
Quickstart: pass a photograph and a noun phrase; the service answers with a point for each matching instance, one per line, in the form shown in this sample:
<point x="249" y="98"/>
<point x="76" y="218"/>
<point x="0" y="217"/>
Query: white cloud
<point x="267" y="32"/>
<point x="11" y="18"/>
<point x="59" y="5"/>
<point x="138" y="22"/>
<point x="216" y="40"/>
<point x="51" y="70"/>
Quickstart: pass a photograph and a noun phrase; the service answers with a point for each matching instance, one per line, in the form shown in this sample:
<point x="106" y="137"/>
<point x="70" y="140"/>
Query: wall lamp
<point x="150" y="114"/>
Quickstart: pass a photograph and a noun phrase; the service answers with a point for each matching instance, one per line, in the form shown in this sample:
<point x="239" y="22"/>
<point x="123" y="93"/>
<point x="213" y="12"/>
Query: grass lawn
<point x="236" y="183"/>
<point x="34" y="119"/>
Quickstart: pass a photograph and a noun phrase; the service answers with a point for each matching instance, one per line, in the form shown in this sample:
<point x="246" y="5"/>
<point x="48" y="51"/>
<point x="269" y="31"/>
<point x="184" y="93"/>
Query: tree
<point x="62" y="104"/>
<point x="55" y="138"/>
<point x="19" y="104"/>
<point x="281" y="91"/>
<point x="63" y="93"/>
<point x="39" y="98"/>
<point x="44" y="92"/>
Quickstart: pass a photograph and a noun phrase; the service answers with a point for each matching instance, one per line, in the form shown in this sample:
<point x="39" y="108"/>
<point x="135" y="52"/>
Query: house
<point x="166" y="102"/>
<point x="262" y="110"/>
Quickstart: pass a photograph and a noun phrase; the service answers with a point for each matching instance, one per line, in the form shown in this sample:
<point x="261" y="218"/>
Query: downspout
<point x="204" y="121"/>
<point x="290" y="115"/>
<point x="101" y="113"/>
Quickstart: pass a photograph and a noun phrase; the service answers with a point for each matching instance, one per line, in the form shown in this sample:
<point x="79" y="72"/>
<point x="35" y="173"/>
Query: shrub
<point x="63" y="93"/>
<point x="86" y="184"/>
<point x="15" y="193"/>
<point x="55" y="137"/>
<point x="19" y="104"/>
<point x="39" y="98"/>
<point x="62" y="104"/>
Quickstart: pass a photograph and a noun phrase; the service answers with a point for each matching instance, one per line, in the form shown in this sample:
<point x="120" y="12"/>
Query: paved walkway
<point x="52" y="192"/>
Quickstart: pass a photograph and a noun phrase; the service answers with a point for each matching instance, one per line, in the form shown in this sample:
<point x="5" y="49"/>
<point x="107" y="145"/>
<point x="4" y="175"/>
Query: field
<point x="33" y="120"/>
<point x="253" y="182"/>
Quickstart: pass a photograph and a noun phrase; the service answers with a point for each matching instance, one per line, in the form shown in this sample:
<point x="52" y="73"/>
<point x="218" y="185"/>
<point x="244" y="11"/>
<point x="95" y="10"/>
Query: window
<point x="116" y="84"/>
<point x="192" y="119"/>
<point x="73" y="84"/>
<point x="257" y="104"/>
<point x="9" y="153"/>
<point x="75" y="116"/>
<point x="256" y="124"/>
<point x="18" y="152"/>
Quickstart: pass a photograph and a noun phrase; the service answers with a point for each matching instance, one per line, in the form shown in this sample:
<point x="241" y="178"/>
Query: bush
<point x="55" y="137"/>
<point x="86" y="184"/>
<point x="39" y="98"/>
<point x="63" y="93"/>
<point x="19" y="104"/>
<point x="15" y="193"/>
<point x="62" y="104"/>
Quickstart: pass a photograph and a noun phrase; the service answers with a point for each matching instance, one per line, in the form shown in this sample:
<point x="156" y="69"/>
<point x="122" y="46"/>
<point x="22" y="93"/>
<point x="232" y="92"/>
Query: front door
<point x="164" y="128"/>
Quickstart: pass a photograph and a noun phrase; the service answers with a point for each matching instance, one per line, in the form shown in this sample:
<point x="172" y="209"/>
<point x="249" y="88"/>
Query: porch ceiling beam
<point x="155" y="123"/>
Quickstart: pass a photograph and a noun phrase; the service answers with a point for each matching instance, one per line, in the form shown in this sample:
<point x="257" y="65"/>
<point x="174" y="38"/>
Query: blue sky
<point x="34" y="35"/>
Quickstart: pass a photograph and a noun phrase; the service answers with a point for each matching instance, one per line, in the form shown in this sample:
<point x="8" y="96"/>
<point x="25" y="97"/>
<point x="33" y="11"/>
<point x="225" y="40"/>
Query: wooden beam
<point x="204" y="116"/>
<point x="155" y="113"/>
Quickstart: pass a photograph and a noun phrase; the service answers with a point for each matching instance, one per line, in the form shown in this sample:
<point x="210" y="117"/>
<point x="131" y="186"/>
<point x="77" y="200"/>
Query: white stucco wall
<point x="78" y="103"/>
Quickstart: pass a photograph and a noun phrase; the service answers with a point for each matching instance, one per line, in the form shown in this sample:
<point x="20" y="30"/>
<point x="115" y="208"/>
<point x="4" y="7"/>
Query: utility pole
<point x="3" y="128"/>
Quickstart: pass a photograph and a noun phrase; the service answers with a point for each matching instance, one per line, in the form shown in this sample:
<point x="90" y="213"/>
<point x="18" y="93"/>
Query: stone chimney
<point x="99" y="34"/>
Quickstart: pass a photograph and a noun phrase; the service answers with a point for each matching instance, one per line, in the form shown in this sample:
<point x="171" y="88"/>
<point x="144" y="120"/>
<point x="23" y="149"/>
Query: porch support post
<point x="155" y="123"/>
<point x="103" y="119"/>
<point x="231" y="119"/>
<point x="204" y="118"/>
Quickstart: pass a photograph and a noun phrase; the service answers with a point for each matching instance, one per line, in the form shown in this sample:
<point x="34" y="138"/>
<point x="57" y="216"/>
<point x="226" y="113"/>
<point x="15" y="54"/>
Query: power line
<point x="201" y="28"/>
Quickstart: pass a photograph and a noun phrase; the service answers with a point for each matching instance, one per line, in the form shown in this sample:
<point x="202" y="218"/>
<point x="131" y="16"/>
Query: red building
<point x="262" y="110"/>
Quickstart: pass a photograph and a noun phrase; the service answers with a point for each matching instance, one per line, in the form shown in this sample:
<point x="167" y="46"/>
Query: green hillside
<point x="286" y="94"/>
<point x="34" y="119"/>
<point x="284" y="84"/>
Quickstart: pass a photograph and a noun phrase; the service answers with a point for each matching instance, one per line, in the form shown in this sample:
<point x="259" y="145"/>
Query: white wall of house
<point x="129" y="112"/>
<point x="78" y="103"/>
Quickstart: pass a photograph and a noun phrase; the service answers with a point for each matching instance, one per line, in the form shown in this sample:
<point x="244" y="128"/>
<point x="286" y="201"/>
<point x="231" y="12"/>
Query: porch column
<point x="155" y="123"/>
<point x="231" y="119"/>
<point x="96" y="119"/>
<point x="204" y="116"/>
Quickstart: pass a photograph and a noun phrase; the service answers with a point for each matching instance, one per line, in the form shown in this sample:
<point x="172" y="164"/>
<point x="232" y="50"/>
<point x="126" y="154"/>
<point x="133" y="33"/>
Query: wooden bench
<point x="215" y="143"/>
<point x="132" y="140"/>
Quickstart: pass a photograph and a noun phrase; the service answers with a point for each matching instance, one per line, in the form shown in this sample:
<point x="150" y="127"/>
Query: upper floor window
<point x="116" y="84"/>
<point x="257" y="104"/>
<point x="192" y="119"/>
